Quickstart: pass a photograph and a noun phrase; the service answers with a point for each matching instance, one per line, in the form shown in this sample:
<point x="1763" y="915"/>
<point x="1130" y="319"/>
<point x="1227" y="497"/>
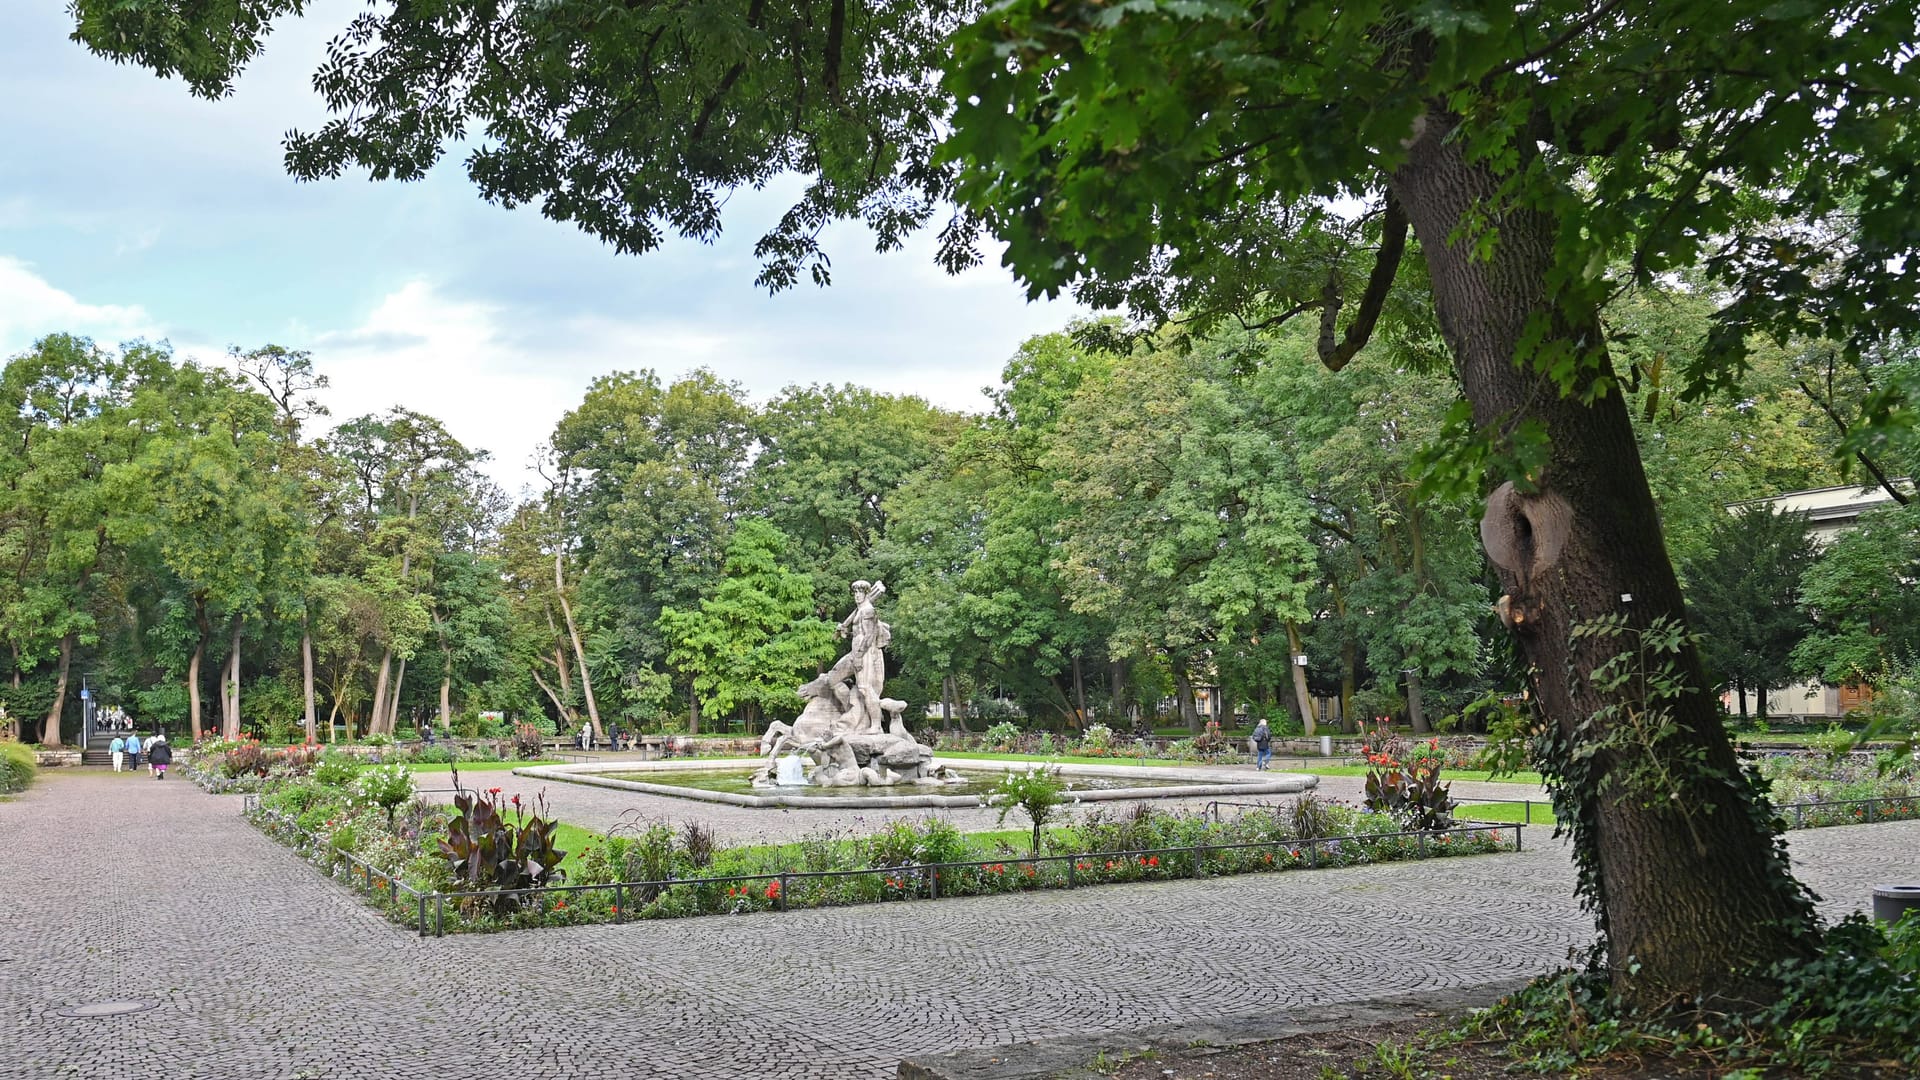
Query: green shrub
<point x="434" y="755"/>
<point x="336" y="769"/>
<point x="1038" y="793"/>
<point x="1002" y="734"/>
<point x="296" y="797"/>
<point x="16" y="767"/>
<point x="385" y="786"/>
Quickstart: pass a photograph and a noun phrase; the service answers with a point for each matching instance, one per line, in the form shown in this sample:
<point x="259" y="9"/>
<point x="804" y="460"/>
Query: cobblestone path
<point x="261" y="968"/>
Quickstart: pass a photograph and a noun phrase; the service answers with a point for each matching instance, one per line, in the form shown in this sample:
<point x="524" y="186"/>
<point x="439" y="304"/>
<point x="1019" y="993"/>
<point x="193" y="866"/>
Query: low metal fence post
<point x="1198" y="854"/>
<point x="1516" y="838"/>
<point x="1071" y="867"/>
<point x="439" y="914"/>
<point x="933" y="887"/>
<point x="619" y="903"/>
<point x="780" y="898"/>
<point x="1423" y="844"/>
<point x="1313" y="853"/>
<point x="1870" y="804"/>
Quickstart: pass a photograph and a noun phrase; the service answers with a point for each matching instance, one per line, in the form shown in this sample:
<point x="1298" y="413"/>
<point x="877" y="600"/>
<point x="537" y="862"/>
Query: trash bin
<point x="1892" y="901"/>
<point x="1326" y="746"/>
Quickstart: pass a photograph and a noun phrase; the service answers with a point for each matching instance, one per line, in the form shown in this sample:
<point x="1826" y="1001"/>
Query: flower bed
<point x="400" y="861"/>
<point x="226" y="766"/>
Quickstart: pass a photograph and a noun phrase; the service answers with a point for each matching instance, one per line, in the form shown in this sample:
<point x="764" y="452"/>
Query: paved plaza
<point x="122" y="887"/>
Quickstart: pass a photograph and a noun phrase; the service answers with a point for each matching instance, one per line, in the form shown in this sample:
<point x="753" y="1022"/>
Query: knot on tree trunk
<point x="1523" y="533"/>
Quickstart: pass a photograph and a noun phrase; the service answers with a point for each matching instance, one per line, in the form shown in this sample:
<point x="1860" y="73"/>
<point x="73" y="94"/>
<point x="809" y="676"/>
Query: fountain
<point x="850" y="734"/>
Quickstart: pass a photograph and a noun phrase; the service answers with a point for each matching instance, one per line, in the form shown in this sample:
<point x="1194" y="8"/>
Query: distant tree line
<point x="1119" y="526"/>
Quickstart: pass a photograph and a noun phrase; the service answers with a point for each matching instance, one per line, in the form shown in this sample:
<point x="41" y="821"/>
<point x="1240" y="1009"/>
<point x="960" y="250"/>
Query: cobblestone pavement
<point x="261" y="968"/>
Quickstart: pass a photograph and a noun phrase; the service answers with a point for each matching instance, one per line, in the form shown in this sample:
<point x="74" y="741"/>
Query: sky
<point x="130" y="209"/>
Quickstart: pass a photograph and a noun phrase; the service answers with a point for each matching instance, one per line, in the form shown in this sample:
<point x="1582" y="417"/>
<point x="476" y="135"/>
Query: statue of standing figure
<point x="865" y="662"/>
<point x="854" y="735"/>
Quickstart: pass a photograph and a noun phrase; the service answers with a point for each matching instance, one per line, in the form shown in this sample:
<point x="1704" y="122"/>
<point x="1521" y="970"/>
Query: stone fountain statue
<point x="852" y="734"/>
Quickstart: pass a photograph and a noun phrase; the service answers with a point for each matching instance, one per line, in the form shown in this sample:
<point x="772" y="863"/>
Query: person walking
<point x="159" y="755"/>
<point x="133" y="752"/>
<point x="1262" y="744"/>
<point x="118" y="748"/>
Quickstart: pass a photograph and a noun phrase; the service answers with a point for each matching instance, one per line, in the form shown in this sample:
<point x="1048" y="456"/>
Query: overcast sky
<point x="130" y="209"/>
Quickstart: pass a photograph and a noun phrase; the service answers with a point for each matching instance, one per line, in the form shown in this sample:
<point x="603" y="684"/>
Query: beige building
<point x="1829" y="512"/>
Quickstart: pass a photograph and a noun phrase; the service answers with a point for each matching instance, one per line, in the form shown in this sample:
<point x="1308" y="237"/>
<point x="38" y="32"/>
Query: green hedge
<point x="16" y="767"/>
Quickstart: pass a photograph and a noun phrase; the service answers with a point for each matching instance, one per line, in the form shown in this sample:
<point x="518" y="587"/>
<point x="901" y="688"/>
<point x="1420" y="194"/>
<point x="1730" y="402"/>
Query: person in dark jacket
<point x="160" y="755"/>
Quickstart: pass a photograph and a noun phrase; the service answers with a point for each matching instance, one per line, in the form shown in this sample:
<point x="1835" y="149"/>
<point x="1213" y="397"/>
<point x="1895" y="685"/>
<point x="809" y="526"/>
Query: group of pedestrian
<point x="127" y="751"/>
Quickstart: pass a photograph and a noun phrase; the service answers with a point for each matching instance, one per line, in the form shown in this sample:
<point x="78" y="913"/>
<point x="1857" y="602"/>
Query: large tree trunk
<point x="306" y="679"/>
<point x="1300" y="692"/>
<point x="1117" y="690"/>
<point x="1079" y="696"/>
<point x="446" y="701"/>
<point x="693" y="711"/>
<point x="1183" y="689"/>
<point x="392" y="722"/>
<point x="579" y="654"/>
<point x="1693" y="894"/>
<point x="193" y="687"/>
<point x="50" y="727"/>
<point x="380" y="691"/>
<point x="1416" y="715"/>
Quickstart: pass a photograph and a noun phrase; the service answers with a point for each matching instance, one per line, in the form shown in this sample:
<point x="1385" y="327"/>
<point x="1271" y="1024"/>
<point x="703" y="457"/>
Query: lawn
<point x="1541" y="813"/>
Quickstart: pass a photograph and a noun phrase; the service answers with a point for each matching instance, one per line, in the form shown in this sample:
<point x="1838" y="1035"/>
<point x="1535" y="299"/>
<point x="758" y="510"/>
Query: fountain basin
<point x="1132" y="782"/>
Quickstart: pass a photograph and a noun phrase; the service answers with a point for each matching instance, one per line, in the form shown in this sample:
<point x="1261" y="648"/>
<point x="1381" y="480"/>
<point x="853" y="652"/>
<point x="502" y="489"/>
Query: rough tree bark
<point x="50" y="727"/>
<point x="1693" y="891"/>
<point x="380" y="691"/>
<point x="306" y="679"/>
<point x="1183" y="689"/>
<point x="579" y="654"/>
<point x="1301" y="695"/>
<point x="231" y="687"/>
<point x="193" y="687"/>
<point x="392" y="722"/>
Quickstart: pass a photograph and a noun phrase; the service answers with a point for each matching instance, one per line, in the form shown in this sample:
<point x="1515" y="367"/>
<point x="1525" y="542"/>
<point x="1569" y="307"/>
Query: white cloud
<point x="497" y="383"/>
<point x="31" y="308"/>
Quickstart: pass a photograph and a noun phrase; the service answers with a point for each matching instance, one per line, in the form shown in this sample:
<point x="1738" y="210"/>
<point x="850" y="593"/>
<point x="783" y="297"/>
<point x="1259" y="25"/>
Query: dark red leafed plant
<point x="1405" y="782"/>
<point x="492" y="848"/>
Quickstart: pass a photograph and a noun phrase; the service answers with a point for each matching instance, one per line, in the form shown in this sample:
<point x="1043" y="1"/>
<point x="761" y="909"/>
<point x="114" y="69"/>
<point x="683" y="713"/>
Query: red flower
<point x="559" y="905"/>
<point x="616" y="909"/>
<point x="1109" y="864"/>
<point x="773" y="889"/>
<point x="1154" y="861"/>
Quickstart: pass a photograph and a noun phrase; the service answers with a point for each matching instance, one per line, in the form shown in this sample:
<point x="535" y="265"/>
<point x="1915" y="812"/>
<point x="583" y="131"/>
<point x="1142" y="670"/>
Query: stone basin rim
<point x="1205" y="782"/>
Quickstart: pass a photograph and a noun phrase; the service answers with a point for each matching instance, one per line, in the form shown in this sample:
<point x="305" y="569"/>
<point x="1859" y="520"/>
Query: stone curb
<point x="1068" y="1057"/>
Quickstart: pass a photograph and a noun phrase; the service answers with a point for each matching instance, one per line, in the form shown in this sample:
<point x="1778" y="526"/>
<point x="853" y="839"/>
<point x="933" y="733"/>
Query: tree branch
<point x="1386" y="264"/>
<point x="1879" y="477"/>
